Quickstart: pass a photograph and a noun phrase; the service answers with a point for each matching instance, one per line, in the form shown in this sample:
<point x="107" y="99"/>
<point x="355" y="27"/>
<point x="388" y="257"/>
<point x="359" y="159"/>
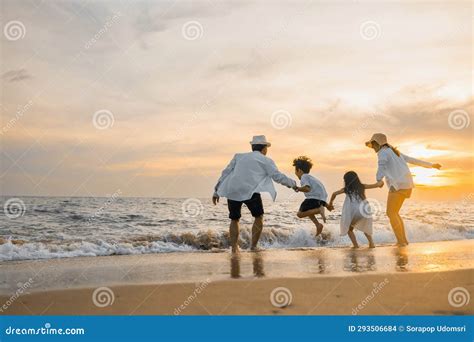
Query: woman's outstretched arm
<point x="419" y="162"/>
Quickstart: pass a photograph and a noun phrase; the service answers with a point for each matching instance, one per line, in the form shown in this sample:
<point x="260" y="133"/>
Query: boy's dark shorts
<point x="311" y="203"/>
<point x="254" y="204"/>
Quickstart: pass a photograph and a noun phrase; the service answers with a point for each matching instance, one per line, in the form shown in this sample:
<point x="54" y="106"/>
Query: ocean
<point x="58" y="227"/>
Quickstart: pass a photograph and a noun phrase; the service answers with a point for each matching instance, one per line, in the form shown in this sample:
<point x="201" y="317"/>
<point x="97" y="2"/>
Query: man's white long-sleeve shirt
<point x="249" y="173"/>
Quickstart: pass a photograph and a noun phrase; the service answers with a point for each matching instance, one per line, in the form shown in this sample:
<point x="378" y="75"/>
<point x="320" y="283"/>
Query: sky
<point x="153" y="98"/>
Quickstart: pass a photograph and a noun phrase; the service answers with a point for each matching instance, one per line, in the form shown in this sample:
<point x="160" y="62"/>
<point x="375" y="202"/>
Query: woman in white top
<point x="392" y="165"/>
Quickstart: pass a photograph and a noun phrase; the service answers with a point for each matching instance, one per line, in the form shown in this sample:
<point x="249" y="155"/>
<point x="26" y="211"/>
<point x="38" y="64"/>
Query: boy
<point x="314" y="192"/>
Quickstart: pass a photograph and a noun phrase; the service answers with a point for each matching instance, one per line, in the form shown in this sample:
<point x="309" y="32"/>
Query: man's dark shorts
<point x="254" y="204"/>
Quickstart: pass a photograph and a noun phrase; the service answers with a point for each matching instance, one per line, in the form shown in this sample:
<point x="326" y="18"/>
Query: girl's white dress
<point x="356" y="212"/>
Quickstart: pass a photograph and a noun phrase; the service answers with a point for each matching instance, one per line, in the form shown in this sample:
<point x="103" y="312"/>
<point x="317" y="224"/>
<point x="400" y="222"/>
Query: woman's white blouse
<point x="395" y="169"/>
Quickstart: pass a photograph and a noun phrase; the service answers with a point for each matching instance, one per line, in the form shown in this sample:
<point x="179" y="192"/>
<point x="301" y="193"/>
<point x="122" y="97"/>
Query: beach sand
<point x="322" y="281"/>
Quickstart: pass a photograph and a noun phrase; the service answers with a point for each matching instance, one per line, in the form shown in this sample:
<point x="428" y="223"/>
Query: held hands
<point x="295" y="188"/>
<point x="436" y="166"/>
<point x="215" y="199"/>
<point x="330" y="207"/>
<point x="380" y="184"/>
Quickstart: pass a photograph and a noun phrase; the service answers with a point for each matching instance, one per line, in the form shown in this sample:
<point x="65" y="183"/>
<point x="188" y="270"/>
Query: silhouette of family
<point x="249" y="174"/>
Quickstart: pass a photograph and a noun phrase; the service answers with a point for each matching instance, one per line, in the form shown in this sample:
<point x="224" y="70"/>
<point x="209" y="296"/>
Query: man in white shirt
<point x="242" y="181"/>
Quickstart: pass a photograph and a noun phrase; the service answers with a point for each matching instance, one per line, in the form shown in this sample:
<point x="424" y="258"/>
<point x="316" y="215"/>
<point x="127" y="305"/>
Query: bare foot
<point x="235" y="250"/>
<point x="371" y="245"/>
<point x="319" y="228"/>
<point x="355" y="247"/>
<point x="256" y="249"/>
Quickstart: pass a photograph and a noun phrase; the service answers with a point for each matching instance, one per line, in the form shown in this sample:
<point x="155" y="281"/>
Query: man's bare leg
<point x="256" y="231"/>
<point x="234" y="235"/>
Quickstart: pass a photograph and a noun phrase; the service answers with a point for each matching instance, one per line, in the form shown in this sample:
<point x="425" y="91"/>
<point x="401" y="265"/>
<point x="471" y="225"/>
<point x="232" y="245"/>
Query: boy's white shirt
<point x="395" y="169"/>
<point x="318" y="191"/>
<point x="249" y="173"/>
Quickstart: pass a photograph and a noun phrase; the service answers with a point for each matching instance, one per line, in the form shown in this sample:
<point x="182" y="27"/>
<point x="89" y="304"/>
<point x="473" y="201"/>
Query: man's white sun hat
<point x="260" y="140"/>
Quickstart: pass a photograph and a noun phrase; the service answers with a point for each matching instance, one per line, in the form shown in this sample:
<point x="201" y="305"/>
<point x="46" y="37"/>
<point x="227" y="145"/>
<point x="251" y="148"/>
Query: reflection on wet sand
<point x="257" y="263"/>
<point x="235" y="265"/>
<point x="318" y="262"/>
<point x="354" y="261"/>
<point x="326" y="261"/>
<point x="401" y="257"/>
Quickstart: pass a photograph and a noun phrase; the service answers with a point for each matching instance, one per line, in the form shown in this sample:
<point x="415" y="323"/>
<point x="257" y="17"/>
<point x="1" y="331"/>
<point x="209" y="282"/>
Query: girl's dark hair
<point x="353" y="186"/>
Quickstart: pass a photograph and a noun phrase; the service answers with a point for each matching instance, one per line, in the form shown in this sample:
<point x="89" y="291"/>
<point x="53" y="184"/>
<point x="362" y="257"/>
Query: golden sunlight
<point x="429" y="177"/>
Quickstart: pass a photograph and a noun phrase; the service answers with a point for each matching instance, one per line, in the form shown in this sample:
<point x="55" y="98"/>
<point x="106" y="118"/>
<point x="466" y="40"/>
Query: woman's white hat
<point x="379" y="138"/>
<point x="260" y="140"/>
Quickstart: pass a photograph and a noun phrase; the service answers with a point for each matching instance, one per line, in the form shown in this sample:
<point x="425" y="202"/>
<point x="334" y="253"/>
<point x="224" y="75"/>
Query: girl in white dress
<point x="356" y="211"/>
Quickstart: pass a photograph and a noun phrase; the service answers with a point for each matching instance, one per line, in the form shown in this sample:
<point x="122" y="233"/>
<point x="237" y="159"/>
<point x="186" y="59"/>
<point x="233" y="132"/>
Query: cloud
<point x="16" y="75"/>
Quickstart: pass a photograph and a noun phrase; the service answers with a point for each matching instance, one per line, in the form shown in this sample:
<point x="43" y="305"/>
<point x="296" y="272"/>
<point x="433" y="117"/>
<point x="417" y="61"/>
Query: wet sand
<point x="387" y="280"/>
